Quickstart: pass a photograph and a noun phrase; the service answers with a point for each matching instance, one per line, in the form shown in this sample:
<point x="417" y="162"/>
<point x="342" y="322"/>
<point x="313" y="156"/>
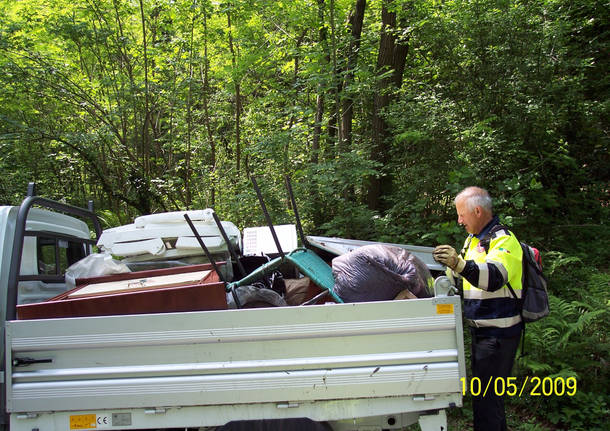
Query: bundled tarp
<point x="379" y="273"/>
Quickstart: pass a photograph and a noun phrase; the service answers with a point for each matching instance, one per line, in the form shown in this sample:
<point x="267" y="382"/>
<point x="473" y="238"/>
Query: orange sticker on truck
<point x="444" y="308"/>
<point x="83" y="422"/>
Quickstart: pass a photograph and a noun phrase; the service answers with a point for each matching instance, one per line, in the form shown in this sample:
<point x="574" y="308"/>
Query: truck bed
<point x="327" y="362"/>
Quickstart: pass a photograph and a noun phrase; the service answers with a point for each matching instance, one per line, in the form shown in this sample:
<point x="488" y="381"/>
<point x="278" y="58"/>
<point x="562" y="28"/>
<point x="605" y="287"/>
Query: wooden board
<point x="143" y="283"/>
<point x="188" y="288"/>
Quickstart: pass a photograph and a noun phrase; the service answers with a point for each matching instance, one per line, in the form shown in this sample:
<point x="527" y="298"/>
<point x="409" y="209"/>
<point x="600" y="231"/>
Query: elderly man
<point x="492" y="259"/>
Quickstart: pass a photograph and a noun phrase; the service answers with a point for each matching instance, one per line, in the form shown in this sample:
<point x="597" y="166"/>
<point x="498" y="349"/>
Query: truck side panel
<point x="336" y="353"/>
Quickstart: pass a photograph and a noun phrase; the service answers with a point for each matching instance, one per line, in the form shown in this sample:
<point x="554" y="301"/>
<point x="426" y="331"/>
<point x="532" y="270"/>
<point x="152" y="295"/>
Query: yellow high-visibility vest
<point x="486" y="305"/>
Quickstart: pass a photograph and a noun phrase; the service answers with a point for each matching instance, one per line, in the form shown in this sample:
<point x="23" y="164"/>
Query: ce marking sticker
<point x="94" y="421"/>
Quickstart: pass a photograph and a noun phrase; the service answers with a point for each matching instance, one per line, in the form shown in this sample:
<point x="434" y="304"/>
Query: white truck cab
<point x="59" y="242"/>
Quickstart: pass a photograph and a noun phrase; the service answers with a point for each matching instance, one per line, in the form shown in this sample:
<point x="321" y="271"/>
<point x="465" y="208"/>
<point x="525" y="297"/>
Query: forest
<point x="380" y="112"/>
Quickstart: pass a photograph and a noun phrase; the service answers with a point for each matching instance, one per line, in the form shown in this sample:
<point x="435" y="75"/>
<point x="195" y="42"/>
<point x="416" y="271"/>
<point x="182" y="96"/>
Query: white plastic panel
<point x="132" y="233"/>
<point x="258" y="240"/>
<point x="151" y="246"/>
<point x="156" y="220"/>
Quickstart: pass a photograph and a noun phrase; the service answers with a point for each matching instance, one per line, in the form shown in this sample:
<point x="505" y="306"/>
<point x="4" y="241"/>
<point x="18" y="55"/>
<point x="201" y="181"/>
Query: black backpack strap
<point x="523" y="343"/>
<point x="486" y="240"/>
<point x="512" y="291"/>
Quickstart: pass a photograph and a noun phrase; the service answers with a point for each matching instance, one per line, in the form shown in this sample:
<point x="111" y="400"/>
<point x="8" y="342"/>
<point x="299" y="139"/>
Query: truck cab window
<point x="46" y="256"/>
<point x="56" y="255"/>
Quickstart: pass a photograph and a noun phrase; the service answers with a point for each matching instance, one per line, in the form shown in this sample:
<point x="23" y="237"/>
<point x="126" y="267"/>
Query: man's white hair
<point x="475" y="197"/>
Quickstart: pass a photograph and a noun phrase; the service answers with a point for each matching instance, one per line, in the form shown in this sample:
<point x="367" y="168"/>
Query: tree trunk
<point x="189" y="123"/>
<point x="237" y="88"/>
<point x="392" y="57"/>
<point x="295" y="97"/>
<point x="334" y="126"/>
<point x="356" y="20"/>
<point x="146" y="123"/>
<point x="206" y="107"/>
<point x="317" y="128"/>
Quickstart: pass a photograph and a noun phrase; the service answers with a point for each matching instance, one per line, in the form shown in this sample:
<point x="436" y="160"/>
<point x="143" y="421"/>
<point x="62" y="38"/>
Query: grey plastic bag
<point x="379" y="273"/>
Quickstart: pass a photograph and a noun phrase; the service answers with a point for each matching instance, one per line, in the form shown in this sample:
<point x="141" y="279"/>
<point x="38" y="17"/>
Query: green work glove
<point x="447" y="255"/>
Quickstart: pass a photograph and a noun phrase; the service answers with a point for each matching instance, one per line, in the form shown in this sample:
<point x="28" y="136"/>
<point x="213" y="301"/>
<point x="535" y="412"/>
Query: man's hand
<point x="447" y="255"/>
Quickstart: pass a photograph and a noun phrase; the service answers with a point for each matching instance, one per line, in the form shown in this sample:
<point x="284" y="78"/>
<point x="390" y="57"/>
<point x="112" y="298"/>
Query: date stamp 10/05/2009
<point x="530" y="386"/>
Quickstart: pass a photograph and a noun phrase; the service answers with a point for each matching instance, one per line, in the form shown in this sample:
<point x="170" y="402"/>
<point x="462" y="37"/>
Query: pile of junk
<point x="164" y="260"/>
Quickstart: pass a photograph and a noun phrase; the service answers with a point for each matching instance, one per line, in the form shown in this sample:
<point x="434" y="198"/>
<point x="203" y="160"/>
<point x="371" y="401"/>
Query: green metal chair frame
<point x="308" y="263"/>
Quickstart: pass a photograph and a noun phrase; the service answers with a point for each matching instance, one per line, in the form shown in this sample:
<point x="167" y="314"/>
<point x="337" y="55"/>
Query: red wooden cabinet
<point x="186" y="288"/>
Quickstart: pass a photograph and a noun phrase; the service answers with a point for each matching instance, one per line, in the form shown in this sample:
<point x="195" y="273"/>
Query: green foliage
<point x="572" y="327"/>
<point x="530" y="426"/>
<point x="571" y="342"/>
<point x="584" y="411"/>
<point x="108" y="219"/>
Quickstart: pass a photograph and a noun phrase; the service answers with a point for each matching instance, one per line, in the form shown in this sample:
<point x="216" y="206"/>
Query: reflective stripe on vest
<point x="505" y="322"/>
<point x="483" y="282"/>
<point x="473" y="293"/>
<point x="501" y="268"/>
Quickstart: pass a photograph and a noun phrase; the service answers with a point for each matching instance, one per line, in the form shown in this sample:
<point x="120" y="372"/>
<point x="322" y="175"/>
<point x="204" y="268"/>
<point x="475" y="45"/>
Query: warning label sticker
<point x="83" y="422"/>
<point x="444" y="308"/>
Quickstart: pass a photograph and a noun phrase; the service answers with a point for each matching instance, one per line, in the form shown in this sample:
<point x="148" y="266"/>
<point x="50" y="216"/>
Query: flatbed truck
<point x="355" y="366"/>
